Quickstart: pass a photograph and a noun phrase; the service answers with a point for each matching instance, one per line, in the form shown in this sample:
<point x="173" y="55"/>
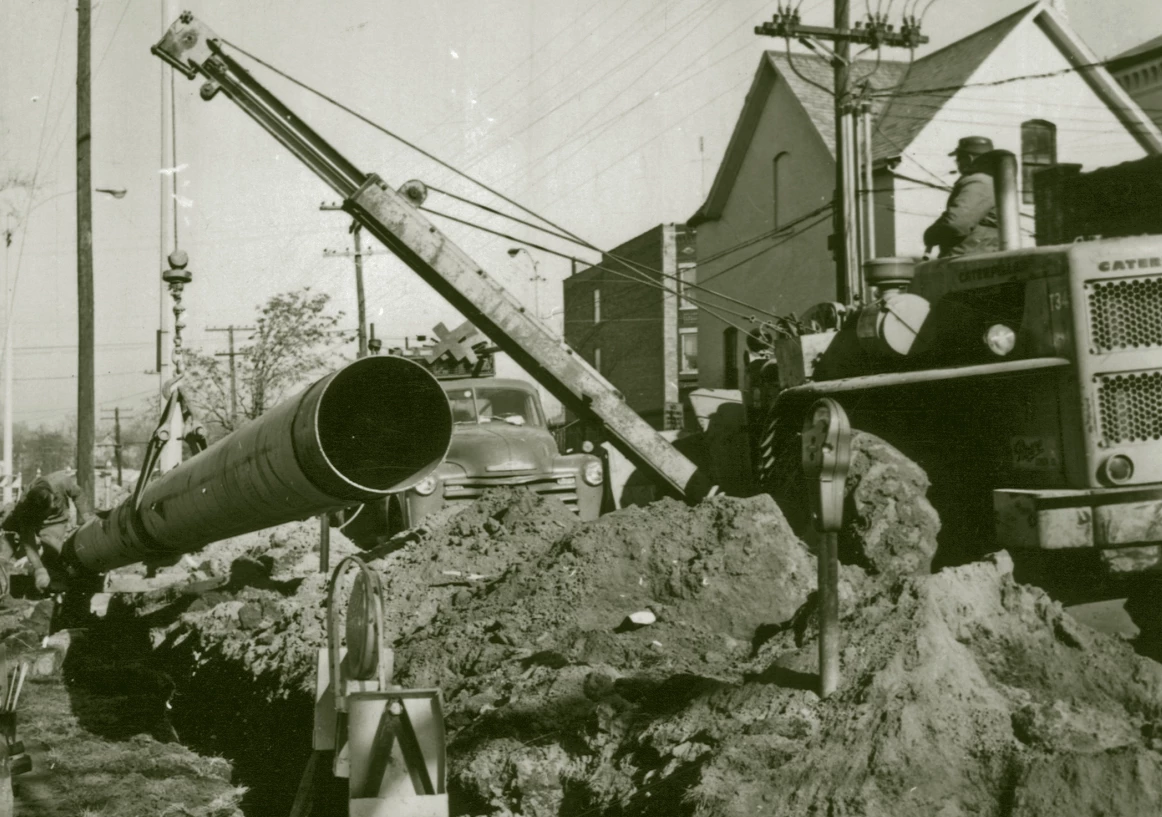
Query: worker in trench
<point x="969" y="222"/>
<point x="41" y="520"/>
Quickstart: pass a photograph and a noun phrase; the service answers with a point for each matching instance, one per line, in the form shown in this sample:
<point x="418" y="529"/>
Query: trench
<point x="122" y="683"/>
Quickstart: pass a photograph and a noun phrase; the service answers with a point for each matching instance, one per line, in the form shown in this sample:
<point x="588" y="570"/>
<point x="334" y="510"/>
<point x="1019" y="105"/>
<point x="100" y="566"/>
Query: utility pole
<point x="8" y="365"/>
<point x="875" y="32"/>
<point x="230" y="330"/>
<point x="86" y="402"/>
<point x="117" y="440"/>
<point x="356" y="231"/>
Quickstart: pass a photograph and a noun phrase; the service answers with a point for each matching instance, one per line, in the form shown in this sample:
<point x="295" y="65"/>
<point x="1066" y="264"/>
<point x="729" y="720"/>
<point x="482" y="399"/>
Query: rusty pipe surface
<point x="1008" y="199"/>
<point x="376" y="426"/>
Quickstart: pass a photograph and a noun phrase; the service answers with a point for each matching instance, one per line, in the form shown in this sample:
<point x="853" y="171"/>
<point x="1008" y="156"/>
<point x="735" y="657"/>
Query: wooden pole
<point x="86" y="403"/>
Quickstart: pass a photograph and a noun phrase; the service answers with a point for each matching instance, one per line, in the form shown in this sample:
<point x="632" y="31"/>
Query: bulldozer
<point x="1027" y="382"/>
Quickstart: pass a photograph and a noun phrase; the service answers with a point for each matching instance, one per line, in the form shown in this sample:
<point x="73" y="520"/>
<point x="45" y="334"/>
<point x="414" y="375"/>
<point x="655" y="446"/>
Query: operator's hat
<point x="973" y="145"/>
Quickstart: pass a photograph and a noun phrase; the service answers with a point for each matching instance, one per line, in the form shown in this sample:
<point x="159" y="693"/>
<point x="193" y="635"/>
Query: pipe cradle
<point x="375" y="427"/>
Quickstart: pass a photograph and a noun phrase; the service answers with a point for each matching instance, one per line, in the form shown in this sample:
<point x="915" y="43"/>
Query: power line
<point x="462" y="173"/>
<point x="10" y="296"/>
<point x="580" y="40"/>
<point x="895" y="93"/>
<point x="593" y="84"/>
<point x="779" y="243"/>
<point x="395" y="136"/>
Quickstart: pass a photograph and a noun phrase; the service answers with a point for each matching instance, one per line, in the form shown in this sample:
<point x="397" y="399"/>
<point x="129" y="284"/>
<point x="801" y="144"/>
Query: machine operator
<point x="969" y="223"/>
<point x="42" y="517"/>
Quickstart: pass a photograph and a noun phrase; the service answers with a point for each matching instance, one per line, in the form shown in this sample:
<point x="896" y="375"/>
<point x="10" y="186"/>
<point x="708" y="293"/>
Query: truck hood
<point x="502" y="448"/>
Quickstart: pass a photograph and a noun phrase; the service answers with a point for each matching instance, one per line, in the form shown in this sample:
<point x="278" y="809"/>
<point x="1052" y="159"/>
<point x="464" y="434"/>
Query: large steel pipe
<point x="376" y="426"/>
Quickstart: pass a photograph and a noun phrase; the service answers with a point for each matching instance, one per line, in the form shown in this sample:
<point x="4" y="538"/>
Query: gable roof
<point x="901" y="117"/>
<point x="1131" y="56"/>
<point x="951" y="66"/>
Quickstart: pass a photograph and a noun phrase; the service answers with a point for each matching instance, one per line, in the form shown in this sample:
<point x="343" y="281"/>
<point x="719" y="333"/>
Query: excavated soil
<point x="662" y="661"/>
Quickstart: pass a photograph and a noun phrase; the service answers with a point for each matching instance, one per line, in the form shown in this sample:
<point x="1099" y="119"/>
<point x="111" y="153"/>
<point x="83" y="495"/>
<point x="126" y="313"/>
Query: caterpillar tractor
<point x="1027" y="382"/>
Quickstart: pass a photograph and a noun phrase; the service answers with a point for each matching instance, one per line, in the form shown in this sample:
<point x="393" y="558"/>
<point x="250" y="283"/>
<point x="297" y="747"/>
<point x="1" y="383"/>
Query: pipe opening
<point x="384" y="423"/>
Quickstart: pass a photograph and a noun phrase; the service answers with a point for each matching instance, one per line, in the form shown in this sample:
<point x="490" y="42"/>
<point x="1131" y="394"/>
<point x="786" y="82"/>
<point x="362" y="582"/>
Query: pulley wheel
<point x="362" y="637"/>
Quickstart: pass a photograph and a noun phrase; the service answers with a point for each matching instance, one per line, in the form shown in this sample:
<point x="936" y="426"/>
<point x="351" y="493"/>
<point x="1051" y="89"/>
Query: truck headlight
<point x="1117" y="469"/>
<point x="592" y="473"/>
<point x="1000" y="339"/>
<point x="425" y="486"/>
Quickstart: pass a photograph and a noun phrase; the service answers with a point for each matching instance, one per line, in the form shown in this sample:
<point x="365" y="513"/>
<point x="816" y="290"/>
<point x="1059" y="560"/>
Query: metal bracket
<point x="826" y="459"/>
<point x="195" y="438"/>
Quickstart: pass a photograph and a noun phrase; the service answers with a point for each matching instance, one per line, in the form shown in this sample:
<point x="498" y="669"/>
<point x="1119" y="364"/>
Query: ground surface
<point x="964" y="692"/>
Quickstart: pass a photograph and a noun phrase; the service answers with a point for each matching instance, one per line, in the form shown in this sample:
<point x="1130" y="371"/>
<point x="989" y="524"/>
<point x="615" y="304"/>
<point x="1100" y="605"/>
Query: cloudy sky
<point x="608" y="117"/>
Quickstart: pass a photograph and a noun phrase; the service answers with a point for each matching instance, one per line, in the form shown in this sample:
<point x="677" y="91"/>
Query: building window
<point x="688" y="352"/>
<point x="1038" y="150"/>
<point x="597" y="306"/>
<point x="777" y="188"/>
<point x="730" y="358"/>
<point x="687" y="278"/>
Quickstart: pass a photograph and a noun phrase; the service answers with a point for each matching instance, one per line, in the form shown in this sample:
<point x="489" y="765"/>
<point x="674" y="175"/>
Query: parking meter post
<point x="826" y="458"/>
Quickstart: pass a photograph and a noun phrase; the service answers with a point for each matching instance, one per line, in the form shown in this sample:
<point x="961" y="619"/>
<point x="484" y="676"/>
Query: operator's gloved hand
<point x="42" y="579"/>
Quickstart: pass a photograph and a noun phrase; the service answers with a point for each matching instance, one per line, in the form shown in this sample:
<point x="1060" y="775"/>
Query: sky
<point x="607" y="117"/>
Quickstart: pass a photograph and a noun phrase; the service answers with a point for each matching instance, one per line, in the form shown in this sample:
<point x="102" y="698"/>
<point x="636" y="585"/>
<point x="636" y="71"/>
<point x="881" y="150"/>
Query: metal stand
<point x="826" y="459"/>
<point x="388" y="741"/>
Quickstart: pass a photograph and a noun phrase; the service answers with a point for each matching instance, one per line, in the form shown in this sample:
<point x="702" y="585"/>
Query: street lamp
<point x="536" y="278"/>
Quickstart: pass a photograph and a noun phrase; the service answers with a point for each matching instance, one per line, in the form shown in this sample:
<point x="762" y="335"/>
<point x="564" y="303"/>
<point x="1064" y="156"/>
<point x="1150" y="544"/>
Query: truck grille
<point x="473" y="487"/>
<point x="1125" y="314"/>
<point x="1130" y="406"/>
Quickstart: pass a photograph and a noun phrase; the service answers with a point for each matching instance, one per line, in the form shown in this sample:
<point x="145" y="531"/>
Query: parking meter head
<point x="826" y="460"/>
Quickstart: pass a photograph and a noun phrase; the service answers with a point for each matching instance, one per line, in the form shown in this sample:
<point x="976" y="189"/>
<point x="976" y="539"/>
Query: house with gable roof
<point x="1027" y="82"/>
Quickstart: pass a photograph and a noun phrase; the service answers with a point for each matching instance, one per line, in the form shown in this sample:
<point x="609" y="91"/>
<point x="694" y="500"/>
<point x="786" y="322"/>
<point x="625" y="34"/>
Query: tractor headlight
<point x="1117" y="469"/>
<point x="592" y="473"/>
<point x="1000" y="339"/>
<point x="425" y="486"/>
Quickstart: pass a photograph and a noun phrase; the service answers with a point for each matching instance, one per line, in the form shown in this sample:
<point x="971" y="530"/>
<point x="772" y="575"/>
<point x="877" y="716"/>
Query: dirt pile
<point x="662" y="661"/>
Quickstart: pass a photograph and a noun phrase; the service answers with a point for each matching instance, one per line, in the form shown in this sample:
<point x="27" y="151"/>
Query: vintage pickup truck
<point x="500" y="438"/>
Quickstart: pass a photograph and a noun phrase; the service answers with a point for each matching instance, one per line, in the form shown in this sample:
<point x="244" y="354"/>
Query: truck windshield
<point x="484" y="404"/>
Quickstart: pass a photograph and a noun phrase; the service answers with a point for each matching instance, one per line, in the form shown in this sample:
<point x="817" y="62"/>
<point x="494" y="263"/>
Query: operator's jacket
<point x="62" y="486"/>
<point x="969" y="225"/>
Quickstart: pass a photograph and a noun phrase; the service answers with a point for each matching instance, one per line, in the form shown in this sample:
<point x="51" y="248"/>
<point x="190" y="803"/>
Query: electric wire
<point x="765" y="250"/>
<point x="529" y="103"/>
<point x="629" y="59"/>
<point x="488" y="209"/>
<point x="10" y="295"/>
<point x="366" y="120"/>
<point x="454" y="169"/>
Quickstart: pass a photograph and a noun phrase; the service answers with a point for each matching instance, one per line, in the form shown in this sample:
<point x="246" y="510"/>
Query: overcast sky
<point x="608" y="117"/>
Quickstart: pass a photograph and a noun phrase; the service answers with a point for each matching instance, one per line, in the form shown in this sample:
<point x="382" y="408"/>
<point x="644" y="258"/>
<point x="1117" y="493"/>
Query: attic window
<point x="777" y="188"/>
<point x="1038" y="150"/>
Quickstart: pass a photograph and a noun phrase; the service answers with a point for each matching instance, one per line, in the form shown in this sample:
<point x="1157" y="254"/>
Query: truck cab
<point x="500" y="438"/>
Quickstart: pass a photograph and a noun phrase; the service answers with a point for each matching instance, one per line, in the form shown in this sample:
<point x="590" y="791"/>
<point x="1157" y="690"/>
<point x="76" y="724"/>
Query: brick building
<point x="639" y="336"/>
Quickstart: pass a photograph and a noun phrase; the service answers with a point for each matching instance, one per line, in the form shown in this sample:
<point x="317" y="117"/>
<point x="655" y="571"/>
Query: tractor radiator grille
<point x="1125" y="314"/>
<point x="1130" y="406"/>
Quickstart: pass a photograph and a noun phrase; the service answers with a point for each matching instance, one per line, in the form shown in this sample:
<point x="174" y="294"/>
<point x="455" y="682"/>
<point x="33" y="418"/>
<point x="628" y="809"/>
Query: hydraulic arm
<point x="392" y="217"/>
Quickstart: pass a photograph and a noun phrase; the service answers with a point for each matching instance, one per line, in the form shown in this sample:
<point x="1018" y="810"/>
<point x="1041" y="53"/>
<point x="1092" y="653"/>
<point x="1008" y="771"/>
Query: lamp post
<point x="536" y="277"/>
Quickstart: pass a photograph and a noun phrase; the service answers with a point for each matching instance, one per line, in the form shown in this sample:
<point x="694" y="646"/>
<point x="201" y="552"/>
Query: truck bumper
<point x="1123" y="524"/>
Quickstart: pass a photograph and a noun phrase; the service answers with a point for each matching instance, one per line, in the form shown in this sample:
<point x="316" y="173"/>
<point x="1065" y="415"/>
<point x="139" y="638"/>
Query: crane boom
<point x="191" y="48"/>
